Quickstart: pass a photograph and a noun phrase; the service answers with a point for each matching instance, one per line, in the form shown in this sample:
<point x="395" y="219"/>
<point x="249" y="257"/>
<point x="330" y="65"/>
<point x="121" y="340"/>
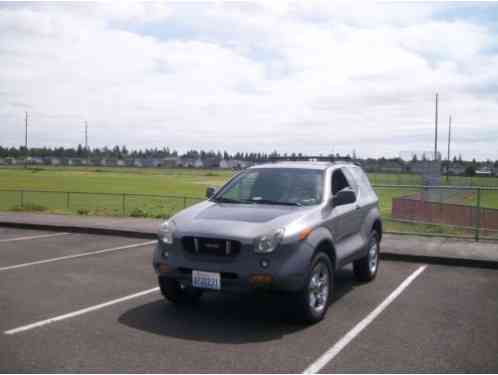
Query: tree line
<point x="122" y="152"/>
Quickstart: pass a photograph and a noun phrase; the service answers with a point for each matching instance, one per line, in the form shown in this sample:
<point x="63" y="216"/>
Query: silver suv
<point x="284" y="226"/>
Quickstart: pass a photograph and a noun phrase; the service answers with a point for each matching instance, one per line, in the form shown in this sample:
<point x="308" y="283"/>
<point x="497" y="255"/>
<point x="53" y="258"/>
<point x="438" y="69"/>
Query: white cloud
<point x="247" y="77"/>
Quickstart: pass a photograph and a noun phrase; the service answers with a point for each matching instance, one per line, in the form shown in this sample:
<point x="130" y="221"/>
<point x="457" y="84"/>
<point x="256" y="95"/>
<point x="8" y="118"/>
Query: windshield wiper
<point x="268" y="201"/>
<point x="227" y="200"/>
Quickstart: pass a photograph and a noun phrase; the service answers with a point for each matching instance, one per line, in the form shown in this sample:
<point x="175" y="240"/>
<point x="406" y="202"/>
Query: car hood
<point x="244" y="221"/>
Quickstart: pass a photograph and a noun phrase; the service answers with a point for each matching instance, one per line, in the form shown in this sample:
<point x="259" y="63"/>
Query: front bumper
<point x="287" y="267"/>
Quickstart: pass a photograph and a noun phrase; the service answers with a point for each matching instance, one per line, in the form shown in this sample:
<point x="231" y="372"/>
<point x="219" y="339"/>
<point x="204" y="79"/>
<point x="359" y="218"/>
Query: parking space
<point x="19" y="249"/>
<point x="446" y="322"/>
<point x="14" y="234"/>
<point x="443" y="314"/>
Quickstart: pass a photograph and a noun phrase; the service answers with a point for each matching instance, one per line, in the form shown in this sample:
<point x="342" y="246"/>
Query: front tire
<point x="365" y="269"/>
<point x="173" y="291"/>
<point x="315" y="298"/>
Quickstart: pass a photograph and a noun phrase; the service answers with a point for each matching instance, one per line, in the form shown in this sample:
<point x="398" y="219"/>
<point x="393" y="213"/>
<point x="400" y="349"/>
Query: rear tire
<point x="315" y="298"/>
<point x="173" y="291"/>
<point x="365" y="269"/>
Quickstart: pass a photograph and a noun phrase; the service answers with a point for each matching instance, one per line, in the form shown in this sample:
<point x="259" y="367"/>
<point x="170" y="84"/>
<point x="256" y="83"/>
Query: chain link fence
<point x="453" y="211"/>
<point x="104" y="204"/>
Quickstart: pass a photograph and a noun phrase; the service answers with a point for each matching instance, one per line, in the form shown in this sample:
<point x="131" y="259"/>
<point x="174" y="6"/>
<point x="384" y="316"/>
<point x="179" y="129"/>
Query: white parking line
<point x="77" y="255"/>
<point x="330" y="354"/>
<point x="33" y="237"/>
<point x="78" y="312"/>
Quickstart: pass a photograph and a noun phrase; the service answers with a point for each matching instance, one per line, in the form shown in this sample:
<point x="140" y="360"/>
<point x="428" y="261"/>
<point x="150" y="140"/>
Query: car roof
<point x="320" y="165"/>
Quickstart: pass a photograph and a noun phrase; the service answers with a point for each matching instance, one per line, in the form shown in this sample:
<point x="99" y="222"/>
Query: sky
<point x="312" y="77"/>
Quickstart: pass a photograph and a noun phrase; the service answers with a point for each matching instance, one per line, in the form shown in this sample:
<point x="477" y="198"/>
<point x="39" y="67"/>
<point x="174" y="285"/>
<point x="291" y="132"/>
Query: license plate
<point x="206" y="280"/>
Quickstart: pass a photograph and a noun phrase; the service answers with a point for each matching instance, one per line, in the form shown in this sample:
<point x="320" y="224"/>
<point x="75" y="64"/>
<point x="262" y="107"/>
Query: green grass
<point x="86" y="184"/>
<point x="113" y="182"/>
<point x="394" y="179"/>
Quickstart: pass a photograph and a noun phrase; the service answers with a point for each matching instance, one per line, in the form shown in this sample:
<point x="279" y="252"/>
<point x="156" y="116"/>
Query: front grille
<point x="211" y="246"/>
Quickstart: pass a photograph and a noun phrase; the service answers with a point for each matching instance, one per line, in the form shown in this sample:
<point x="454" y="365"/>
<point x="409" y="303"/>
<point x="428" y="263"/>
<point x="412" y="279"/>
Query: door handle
<point x="357" y="207"/>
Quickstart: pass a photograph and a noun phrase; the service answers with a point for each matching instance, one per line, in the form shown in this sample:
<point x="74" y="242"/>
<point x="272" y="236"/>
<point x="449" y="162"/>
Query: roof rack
<point x="331" y="159"/>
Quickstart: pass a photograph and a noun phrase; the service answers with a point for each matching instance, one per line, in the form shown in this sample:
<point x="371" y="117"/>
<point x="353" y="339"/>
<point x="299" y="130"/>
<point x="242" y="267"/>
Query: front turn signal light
<point x="304" y="233"/>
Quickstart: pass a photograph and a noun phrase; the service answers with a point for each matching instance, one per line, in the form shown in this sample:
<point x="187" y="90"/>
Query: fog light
<point x="264" y="263"/>
<point x="258" y="280"/>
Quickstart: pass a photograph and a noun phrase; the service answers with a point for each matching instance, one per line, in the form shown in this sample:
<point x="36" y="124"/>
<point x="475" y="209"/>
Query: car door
<point x="359" y="212"/>
<point x="345" y="221"/>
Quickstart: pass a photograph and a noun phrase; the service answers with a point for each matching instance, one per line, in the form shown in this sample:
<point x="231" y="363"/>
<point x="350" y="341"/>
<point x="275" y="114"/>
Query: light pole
<point x="26" y="141"/>
<point x="86" y="145"/>
<point x="449" y="142"/>
<point x="435" y="135"/>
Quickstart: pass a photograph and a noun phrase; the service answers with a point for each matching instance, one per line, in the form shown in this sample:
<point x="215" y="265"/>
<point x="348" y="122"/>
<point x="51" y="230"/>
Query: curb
<point x="385" y="255"/>
<point x="445" y="261"/>
<point x="77" y="229"/>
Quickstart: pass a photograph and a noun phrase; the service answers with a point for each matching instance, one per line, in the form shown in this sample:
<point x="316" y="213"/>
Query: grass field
<point x="162" y="192"/>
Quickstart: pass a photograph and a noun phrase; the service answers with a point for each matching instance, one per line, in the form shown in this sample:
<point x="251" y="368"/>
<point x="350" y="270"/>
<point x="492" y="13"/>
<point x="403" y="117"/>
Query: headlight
<point x="269" y="242"/>
<point x="166" y="231"/>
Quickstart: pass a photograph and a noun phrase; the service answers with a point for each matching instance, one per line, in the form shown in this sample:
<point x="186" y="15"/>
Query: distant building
<point x="2" y="161"/>
<point x="198" y="163"/>
<point x="234" y="164"/>
<point x="228" y="163"/>
<point x="484" y="171"/>
<point x="35" y="160"/>
<point x="170" y="162"/>
<point x="54" y="160"/>
<point x="74" y="161"/>
<point x="211" y="162"/>
<point x="138" y="163"/>
<point x="151" y="163"/>
<point x="187" y="162"/>
<point x="456" y="170"/>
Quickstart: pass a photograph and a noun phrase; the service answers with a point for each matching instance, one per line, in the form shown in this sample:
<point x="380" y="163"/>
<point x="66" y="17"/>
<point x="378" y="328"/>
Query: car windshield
<point x="284" y="186"/>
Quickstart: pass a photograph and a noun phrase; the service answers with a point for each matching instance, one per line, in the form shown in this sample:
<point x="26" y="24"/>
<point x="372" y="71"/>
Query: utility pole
<point x="435" y="135"/>
<point x="449" y="142"/>
<point x="86" y="143"/>
<point x="26" y="142"/>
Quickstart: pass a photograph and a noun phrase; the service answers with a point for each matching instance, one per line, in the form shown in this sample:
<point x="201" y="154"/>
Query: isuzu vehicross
<point x="285" y="226"/>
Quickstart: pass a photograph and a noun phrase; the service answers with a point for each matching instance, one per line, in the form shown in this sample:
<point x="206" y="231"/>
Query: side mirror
<point x="210" y="191"/>
<point x="345" y="196"/>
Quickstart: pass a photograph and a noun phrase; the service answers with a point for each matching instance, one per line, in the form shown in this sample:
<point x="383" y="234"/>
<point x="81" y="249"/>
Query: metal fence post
<point x="184" y="202"/>
<point x="123" y="204"/>
<point x="478" y="214"/>
<point x="67" y="199"/>
<point x="22" y="198"/>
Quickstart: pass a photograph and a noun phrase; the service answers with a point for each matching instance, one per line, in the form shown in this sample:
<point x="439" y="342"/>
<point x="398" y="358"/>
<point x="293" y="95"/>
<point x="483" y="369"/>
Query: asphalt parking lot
<point x="79" y="302"/>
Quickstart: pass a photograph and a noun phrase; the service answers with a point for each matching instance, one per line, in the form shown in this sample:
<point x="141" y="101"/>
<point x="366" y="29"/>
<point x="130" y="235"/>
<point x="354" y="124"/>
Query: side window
<point x="361" y="177"/>
<point x="352" y="178"/>
<point x="339" y="181"/>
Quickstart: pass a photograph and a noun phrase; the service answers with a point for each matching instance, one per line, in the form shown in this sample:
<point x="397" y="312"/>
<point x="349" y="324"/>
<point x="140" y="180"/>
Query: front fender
<point x="318" y="235"/>
<point x="372" y="216"/>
